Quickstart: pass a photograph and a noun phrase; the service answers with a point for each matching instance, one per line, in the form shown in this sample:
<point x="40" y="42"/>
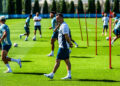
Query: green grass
<point x="87" y="68"/>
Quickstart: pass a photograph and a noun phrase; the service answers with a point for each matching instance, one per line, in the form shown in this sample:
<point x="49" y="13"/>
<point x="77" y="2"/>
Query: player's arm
<point x="115" y="22"/>
<point x="68" y="40"/>
<point x="56" y="27"/>
<point x="4" y="36"/>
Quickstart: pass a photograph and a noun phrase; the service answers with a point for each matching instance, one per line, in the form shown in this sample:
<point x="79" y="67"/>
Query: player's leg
<point x="106" y="28"/>
<point x="103" y="30"/>
<point x="40" y="32"/>
<point x="53" y="39"/>
<point x="52" y="46"/>
<point x="35" y="30"/>
<point x="51" y="75"/>
<point x="27" y="34"/>
<point x="6" y="59"/>
<point x="68" y="64"/>
<point x="25" y="28"/>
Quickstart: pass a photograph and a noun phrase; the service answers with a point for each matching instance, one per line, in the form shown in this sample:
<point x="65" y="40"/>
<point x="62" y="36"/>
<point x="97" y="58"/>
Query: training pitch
<point x="87" y="68"/>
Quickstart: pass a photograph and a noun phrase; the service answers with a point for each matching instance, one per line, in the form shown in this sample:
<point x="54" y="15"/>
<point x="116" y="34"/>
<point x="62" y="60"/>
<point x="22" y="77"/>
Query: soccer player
<point x="105" y="20"/>
<point x="6" y="44"/>
<point x="63" y="51"/>
<point x="55" y="33"/>
<point x="115" y="19"/>
<point x="26" y="27"/>
<point x="116" y="31"/>
<point x="37" y="25"/>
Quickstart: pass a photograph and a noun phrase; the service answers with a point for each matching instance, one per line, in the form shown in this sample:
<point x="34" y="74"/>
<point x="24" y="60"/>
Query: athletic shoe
<point x="8" y="71"/>
<point x="20" y="36"/>
<point x="34" y="38"/>
<point x="26" y="39"/>
<point x="66" y="78"/>
<point x="49" y="75"/>
<point x="51" y="54"/>
<point x="19" y="62"/>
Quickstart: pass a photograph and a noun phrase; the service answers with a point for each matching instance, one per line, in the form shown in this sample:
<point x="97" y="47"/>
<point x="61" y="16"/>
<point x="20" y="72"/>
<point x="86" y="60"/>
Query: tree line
<point x="25" y="6"/>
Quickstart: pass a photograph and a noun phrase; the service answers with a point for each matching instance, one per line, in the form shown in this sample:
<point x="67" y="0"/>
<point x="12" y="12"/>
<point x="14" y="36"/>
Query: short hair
<point x="30" y="15"/>
<point x="2" y="18"/>
<point x="114" y="13"/>
<point x="53" y="12"/>
<point x="60" y="14"/>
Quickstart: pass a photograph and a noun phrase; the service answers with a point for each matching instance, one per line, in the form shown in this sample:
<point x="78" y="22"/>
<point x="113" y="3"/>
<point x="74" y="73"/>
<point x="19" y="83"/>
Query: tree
<point x="107" y="6"/>
<point x="72" y="8"/>
<point x="18" y="6"/>
<point x="80" y="7"/>
<point x="91" y="6"/>
<point x="11" y="7"/>
<point x="27" y="6"/>
<point x="116" y="6"/>
<point x="98" y="7"/>
<point x="0" y="6"/>
<point x="45" y="7"/>
<point x="53" y="6"/>
<point x="36" y="7"/>
<point x="64" y="8"/>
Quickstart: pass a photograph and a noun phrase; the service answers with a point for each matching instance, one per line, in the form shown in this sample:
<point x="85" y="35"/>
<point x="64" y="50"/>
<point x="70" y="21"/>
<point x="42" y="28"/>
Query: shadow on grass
<point x="89" y="80"/>
<point x="81" y="57"/>
<point x="82" y="47"/>
<point x="28" y="73"/>
<point x="26" y="61"/>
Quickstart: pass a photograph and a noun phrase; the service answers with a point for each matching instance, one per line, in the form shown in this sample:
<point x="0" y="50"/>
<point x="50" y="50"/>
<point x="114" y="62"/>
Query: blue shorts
<point x="6" y="47"/>
<point x="105" y="26"/>
<point x="116" y="32"/>
<point x="27" y="29"/>
<point x="55" y="35"/>
<point x="37" y="28"/>
<point x="63" y="54"/>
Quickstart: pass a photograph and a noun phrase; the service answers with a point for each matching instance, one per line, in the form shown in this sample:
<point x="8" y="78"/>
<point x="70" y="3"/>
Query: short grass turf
<point x="87" y="68"/>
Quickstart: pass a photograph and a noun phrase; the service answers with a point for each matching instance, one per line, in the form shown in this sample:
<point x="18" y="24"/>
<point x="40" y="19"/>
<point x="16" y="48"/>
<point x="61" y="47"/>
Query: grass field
<point x="87" y="68"/>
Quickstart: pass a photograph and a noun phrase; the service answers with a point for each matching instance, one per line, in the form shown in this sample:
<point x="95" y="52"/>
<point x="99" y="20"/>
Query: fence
<point x="47" y="15"/>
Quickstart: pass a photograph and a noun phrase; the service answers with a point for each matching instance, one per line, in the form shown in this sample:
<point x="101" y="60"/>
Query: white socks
<point x="52" y="74"/>
<point x="52" y="52"/>
<point x="69" y="73"/>
<point x="22" y="34"/>
<point x="8" y="66"/>
<point x="112" y="42"/>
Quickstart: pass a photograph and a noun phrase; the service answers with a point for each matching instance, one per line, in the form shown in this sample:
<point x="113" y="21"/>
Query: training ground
<point x="87" y="68"/>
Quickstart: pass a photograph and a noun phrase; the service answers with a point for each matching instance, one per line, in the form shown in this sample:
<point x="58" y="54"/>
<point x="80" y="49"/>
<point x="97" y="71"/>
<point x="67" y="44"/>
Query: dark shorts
<point x="116" y="32"/>
<point x="37" y="28"/>
<point x="6" y="47"/>
<point x="105" y="26"/>
<point x="55" y="35"/>
<point x="27" y="29"/>
<point x="63" y="54"/>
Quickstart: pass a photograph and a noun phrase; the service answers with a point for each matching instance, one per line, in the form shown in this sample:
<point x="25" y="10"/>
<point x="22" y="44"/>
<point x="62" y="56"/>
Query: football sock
<point x="8" y="66"/>
<point x="22" y="34"/>
<point x="75" y="43"/>
<point x="69" y="73"/>
<point x="14" y="60"/>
